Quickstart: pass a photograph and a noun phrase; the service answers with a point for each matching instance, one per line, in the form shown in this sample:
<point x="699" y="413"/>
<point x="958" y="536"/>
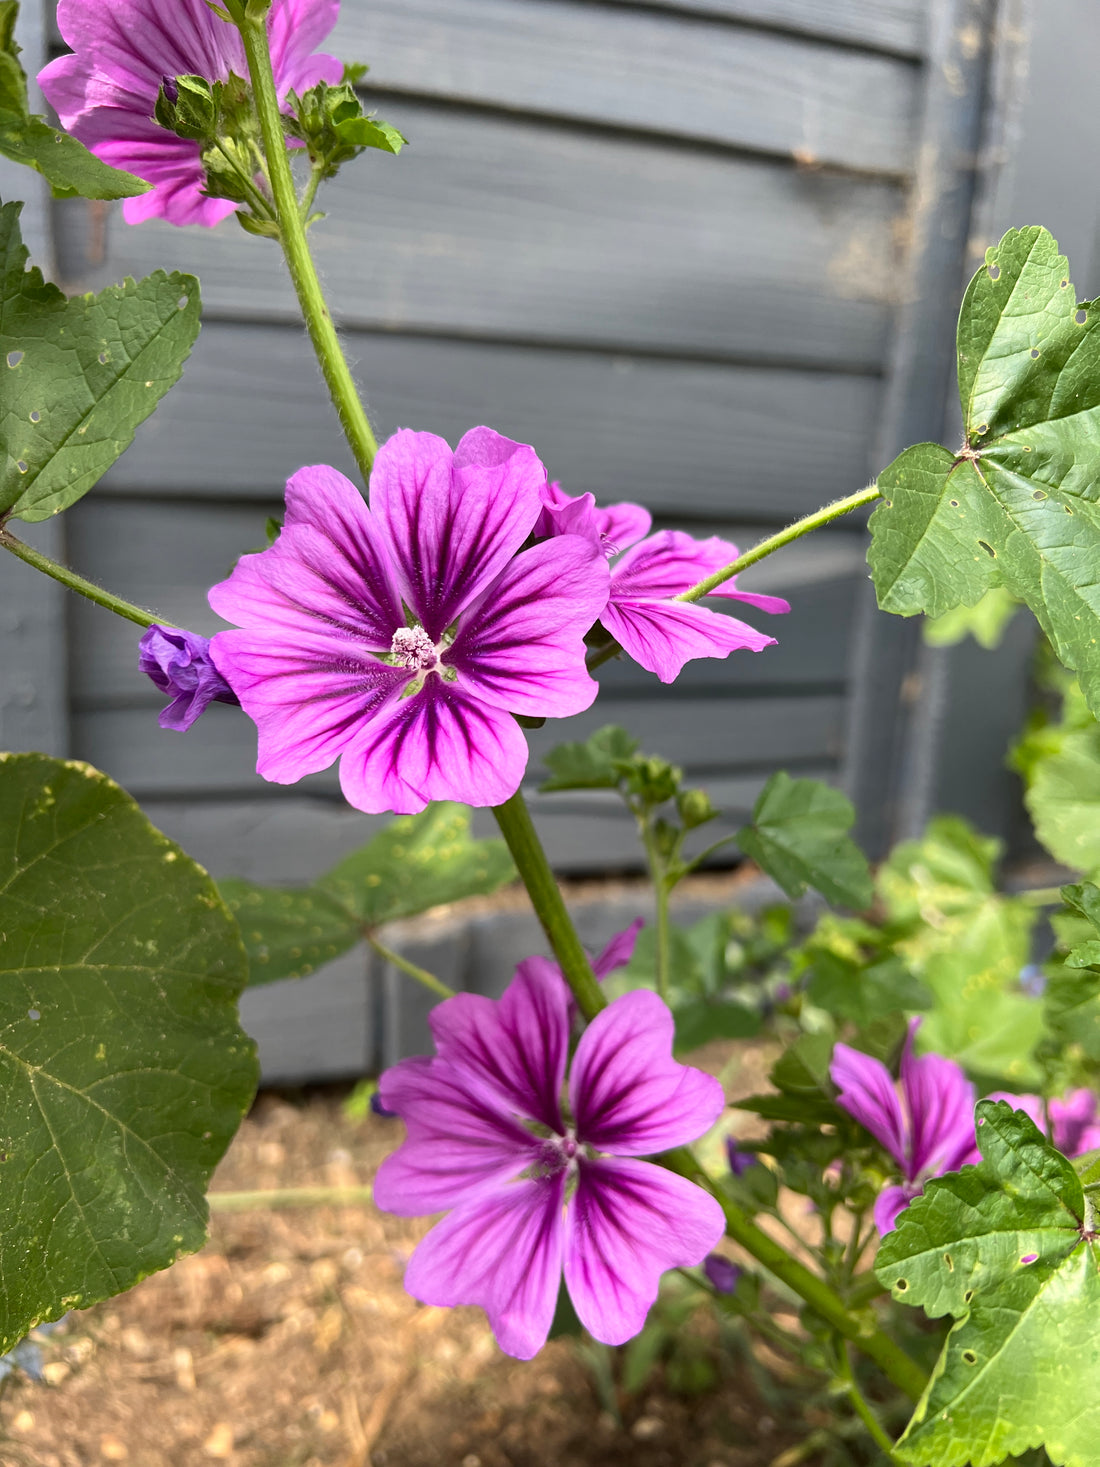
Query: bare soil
<point x="290" y="1342"/>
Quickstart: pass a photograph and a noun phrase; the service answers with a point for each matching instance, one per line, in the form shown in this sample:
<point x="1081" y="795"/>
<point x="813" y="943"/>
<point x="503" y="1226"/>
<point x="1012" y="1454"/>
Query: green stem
<point x="861" y="1406"/>
<point x="421" y="975"/>
<point x="891" y="1359"/>
<point x="78" y="583"/>
<point x="279" y="1197"/>
<point x="1041" y="896"/>
<point x="292" y="235"/>
<point x="664" y="951"/>
<point x="519" y="832"/>
<point x="804" y="526"/>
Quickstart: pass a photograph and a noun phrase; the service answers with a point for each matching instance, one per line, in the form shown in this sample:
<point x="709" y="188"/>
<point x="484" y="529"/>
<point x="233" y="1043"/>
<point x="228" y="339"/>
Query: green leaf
<point x="1071" y="1009"/>
<point x="804" y="1068"/>
<point x="986" y="621"/>
<point x="865" y="994"/>
<point x="79" y="375"/>
<point x="367" y="132"/>
<point x="123" y="1070"/>
<point x="26" y="138"/>
<point x="798" y="836"/>
<point x="702" y="1020"/>
<point x="594" y="765"/>
<point x="415" y="863"/>
<point x="1063" y="799"/>
<point x="418" y="862"/>
<point x="1016" y="507"/>
<point x="1008" y="1248"/>
<point x="288" y="932"/>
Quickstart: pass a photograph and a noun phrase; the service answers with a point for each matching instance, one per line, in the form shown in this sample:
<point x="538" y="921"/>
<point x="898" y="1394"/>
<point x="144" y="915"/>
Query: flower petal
<point x="453" y="522"/>
<point x="621" y="525"/>
<point x="437" y="744"/>
<point x="662" y="635"/>
<point x="889" y="1203"/>
<point x="309" y="695"/>
<point x="518" y="1043"/>
<point x="295" y="29"/>
<point x="502" y="1253"/>
<point x="941" y="1104"/>
<point x="1074" y="1123"/>
<point x="628" y="1094"/>
<point x="671" y="562"/>
<point x="868" y="1093"/>
<point x="626" y="1224"/>
<point x="461" y="1138"/>
<point x="521" y="647"/>
<point x="618" y="951"/>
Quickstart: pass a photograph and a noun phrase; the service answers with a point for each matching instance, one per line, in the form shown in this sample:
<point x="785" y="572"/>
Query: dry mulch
<point x="290" y="1342"/>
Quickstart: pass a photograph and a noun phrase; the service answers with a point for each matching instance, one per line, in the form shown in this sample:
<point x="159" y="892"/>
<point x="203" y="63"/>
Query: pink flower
<point x="532" y="1191"/>
<point x="106" y="91"/>
<point x="1074" y="1125"/>
<point x="926" y="1123"/>
<point x="647" y="575"/>
<point x="402" y="638"/>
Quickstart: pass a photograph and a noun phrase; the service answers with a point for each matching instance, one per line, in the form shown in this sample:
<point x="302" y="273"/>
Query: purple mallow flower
<point x="926" y="1123"/>
<point x="723" y="1273"/>
<point x="179" y="663"/>
<point x="648" y="572"/>
<point x="616" y="954"/>
<point x="533" y="1188"/>
<point x="106" y="91"/>
<point x="402" y="638"/>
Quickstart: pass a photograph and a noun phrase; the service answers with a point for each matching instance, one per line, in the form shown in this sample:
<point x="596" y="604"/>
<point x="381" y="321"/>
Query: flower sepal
<point x="332" y="124"/>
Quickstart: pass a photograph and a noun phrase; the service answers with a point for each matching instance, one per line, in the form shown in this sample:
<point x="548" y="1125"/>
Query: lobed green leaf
<point x="799" y="837"/>
<point x="123" y="1070"/>
<point x="596" y="764"/>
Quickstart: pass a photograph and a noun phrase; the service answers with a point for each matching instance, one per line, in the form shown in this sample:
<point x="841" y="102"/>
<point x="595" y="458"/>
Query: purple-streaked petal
<point x="662" y="635"/>
<point x="461" y="1138"/>
<point x="437" y="744"/>
<point x="518" y="1044"/>
<point x="503" y="1253"/>
<point x="671" y="562"/>
<point x="1074" y="1125"/>
<point x="521" y="647"/>
<point x="867" y="1092"/>
<point x="179" y="663"/>
<point x="627" y="1223"/>
<point x="309" y="695"/>
<point x="315" y="584"/>
<point x="618" y="951"/>
<point x="295" y="29"/>
<point x="889" y="1203"/>
<point x="622" y="525"/>
<point x="941" y="1104"/>
<point x="566" y="514"/>
<point x="453" y="522"/>
<point x="628" y="1094"/>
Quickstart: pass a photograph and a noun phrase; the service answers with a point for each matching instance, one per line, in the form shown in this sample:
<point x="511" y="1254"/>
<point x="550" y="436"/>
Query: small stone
<point x="471" y="1461"/>
<point x="220" y="1441"/>
<point x="113" y="1449"/>
<point x="646" y="1428"/>
<point x="271" y="1153"/>
<point x="24" y="1421"/>
<point x="55" y="1372"/>
<point x="184" y="1366"/>
<point x="329" y="1421"/>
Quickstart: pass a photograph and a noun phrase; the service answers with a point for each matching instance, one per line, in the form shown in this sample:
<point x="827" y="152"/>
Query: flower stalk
<point x="292" y="236"/>
<point x="411" y="970"/>
<point x="74" y="582"/>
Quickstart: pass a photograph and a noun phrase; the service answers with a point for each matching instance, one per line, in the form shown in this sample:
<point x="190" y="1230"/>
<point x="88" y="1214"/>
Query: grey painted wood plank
<point x="895" y="25"/>
<point x="218" y="754"/>
<point x="686" y="439"/>
<point x="494" y="226"/>
<point x="165" y="556"/>
<point x="643" y="69"/>
<point x="315" y="1028"/>
<point x="34" y="698"/>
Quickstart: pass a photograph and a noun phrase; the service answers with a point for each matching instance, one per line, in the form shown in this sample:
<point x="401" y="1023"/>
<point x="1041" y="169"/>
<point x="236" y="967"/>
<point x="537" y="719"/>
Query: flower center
<point x="413" y="648"/>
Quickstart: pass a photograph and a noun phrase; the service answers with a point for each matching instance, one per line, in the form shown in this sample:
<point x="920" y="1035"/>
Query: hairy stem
<point x="804" y="526"/>
<point x="860" y="1404"/>
<point x="77" y="583"/>
<point x="421" y="975"/>
<point x="292" y="234"/>
<point x="519" y="832"/>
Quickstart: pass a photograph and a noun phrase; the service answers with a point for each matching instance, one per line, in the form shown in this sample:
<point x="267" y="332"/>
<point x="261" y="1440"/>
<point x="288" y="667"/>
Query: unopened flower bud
<point x="186" y="105"/>
<point x="695" y="808"/>
<point x="179" y="663"/>
<point x="723" y="1273"/>
<point x="739" y="1161"/>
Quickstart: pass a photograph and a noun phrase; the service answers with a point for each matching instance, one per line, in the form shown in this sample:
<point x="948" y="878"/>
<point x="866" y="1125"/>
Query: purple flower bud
<point x="179" y="663"/>
<point x="722" y="1272"/>
<point x="170" y="89"/>
<point x="739" y="1161"/>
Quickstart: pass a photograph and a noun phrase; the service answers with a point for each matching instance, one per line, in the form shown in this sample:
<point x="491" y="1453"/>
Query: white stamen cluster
<point x="414" y="649"/>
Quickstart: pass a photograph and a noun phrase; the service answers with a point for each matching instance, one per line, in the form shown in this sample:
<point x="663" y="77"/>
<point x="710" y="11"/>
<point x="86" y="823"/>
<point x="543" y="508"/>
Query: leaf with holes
<point x="288" y="932"/>
<point x="799" y="837"/>
<point x="79" y="375"/>
<point x="1007" y="1248"/>
<point x="26" y="138"/>
<point x="123" y="1070"/>
<point x="1017" y="506"/>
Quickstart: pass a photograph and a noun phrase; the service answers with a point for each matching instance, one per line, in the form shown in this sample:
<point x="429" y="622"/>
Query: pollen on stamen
<point x="414" y="649"/>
